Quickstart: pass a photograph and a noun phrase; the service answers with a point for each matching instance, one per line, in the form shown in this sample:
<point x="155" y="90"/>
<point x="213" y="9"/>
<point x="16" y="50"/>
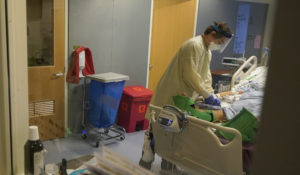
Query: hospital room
<point x="149" y="87"/>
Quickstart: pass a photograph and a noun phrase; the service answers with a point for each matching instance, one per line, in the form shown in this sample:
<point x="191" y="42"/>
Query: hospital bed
<point x="191" y="143"/>
<point x="240" y="74"/>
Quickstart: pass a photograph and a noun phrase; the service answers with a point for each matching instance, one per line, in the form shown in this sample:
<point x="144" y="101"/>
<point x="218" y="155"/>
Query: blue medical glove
<point x="212" y="101"/>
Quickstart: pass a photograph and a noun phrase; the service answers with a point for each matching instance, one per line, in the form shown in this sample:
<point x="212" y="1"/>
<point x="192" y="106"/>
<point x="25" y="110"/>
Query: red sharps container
<point x="133" y="106"/>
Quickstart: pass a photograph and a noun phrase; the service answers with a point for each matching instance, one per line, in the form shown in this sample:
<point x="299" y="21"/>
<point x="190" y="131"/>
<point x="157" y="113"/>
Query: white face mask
<point x="213" y="46"/>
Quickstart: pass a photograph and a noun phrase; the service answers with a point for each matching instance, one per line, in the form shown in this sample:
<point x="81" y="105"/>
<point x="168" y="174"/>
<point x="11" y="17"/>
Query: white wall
<point x="131" y="30"/>
<point x="117" y="32"/>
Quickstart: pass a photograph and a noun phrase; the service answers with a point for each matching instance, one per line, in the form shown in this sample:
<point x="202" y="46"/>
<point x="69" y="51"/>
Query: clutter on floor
<point x="112" y="163"/>
<point x="106" y="162"/>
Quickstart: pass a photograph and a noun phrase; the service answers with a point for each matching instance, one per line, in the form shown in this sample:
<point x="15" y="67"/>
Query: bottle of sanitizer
<point x="36" y="152"/>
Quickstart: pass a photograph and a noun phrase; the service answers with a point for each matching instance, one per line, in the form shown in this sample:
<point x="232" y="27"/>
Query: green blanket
<point x="245" y="122"/>
<point x="185" y="103"/>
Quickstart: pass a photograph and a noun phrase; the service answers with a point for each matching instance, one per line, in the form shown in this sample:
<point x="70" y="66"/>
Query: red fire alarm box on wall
<point x="133" y="106"/>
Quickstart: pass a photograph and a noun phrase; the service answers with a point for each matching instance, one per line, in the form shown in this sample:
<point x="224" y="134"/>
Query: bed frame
<point x="240" y="74"/>
<point x="195" y="147"/>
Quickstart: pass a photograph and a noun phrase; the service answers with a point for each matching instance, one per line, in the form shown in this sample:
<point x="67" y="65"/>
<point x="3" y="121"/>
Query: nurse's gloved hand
<point x="212" y="101"/>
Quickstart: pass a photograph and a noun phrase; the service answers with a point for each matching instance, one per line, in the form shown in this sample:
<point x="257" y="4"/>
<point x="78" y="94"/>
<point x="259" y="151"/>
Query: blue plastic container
<point x="104" y="101"/>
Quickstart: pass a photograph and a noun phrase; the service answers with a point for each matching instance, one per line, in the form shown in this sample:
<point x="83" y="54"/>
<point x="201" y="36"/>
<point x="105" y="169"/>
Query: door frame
<point x="5" y="138"/>
<point x="18" y="82"/>
<point x="66" y="61"/>
<point x="149" y="43"/>
<point x="18" y="85"/>
<point x="196" y="18"/>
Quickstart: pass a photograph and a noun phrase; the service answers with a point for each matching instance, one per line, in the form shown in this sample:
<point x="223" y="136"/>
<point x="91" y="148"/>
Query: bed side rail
<point x="240" y="74"/>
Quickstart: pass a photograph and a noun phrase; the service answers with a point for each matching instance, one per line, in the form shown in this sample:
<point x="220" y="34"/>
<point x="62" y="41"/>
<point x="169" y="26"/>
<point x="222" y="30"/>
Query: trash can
<point x="105" y="94"/>
<point x="133" y="106"/>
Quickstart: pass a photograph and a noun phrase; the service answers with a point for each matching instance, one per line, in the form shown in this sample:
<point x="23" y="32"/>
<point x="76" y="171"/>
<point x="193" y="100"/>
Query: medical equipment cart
<point x="104" y="98"/>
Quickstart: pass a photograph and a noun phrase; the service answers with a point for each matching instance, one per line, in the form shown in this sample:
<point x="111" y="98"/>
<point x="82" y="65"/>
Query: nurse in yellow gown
<point x="188" y="73"/>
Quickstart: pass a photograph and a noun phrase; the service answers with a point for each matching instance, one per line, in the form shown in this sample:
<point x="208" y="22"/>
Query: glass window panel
<point x="40" y="32"/>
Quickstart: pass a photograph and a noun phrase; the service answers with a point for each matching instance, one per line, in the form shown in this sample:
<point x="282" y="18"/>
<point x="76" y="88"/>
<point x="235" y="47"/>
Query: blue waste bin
<point x="105" y="94"/>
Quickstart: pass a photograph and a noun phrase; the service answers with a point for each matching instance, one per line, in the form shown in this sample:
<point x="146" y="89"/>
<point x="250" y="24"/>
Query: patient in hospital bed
<point x="251" y="100"/>
<point x="247" y="94"/>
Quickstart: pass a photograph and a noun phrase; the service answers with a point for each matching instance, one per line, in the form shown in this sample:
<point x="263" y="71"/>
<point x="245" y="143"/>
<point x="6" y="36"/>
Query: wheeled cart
<point x="102" y="107"/>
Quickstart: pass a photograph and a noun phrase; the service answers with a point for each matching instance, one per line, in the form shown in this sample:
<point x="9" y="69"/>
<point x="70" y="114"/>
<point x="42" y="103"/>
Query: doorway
<point x="173" y="23"/>
<point x="46" y="66"/>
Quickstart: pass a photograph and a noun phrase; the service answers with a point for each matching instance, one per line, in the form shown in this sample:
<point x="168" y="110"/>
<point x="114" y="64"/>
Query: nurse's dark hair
<point x="221" y="25"/>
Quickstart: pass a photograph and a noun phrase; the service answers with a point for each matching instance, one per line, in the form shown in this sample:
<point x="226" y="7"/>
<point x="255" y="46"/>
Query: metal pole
<point x="83" y="103"/>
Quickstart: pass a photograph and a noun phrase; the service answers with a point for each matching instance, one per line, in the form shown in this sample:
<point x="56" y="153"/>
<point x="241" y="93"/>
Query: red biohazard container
<point x="133" y="106"/>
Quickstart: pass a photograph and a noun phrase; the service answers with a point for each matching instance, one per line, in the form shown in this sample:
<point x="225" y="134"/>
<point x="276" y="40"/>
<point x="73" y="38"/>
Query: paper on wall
<point x="81" y="63"/>
<point x="257" y="42"/>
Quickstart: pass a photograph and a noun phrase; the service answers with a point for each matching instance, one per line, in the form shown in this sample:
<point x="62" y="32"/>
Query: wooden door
<point x="46" y="52"/>
<point x="173" y="23"/>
